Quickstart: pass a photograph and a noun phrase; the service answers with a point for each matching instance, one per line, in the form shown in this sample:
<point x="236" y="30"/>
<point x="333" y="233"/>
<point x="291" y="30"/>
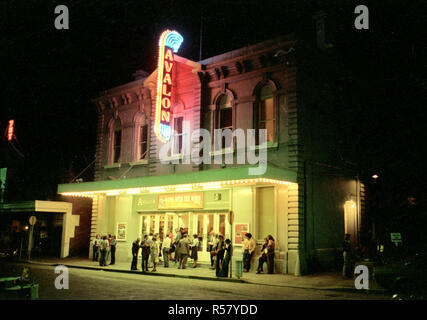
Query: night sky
<point x="48" y="77"/>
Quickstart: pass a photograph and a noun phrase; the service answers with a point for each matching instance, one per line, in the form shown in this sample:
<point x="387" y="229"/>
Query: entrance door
<point x="161" y="223"/>
<point x="206" y="225"/>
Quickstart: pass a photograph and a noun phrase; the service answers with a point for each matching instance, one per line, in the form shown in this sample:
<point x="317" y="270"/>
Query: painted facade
<point x="306" y="198"/>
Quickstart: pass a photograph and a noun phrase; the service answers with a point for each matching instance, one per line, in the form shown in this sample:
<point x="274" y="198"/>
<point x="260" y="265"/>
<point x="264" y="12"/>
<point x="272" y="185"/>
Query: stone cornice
<point x="119" y="98"/>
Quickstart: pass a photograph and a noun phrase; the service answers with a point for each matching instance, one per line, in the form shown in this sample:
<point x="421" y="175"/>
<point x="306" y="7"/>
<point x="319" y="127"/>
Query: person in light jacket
<point x="103" y="247"/>
<point x="95" y="247"/>
<point x="194" y="250"/>
<point x="249" y="246"/>
<point x="155" y="247"/>
<point x="183" y="251"/>
<point x="166" y="248"/>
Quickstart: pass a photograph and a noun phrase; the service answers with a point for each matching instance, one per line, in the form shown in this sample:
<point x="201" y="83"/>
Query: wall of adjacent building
<point x="328" y="177"/>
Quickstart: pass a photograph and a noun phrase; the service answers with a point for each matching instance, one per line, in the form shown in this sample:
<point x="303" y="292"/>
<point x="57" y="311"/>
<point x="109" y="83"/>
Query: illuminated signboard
<point x="170" y="41"/>
<point x="193" y="200"/>
<point x="10" y="130"/>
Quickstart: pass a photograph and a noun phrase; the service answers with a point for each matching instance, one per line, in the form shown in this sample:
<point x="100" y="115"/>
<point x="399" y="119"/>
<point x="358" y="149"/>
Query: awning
<point x="226" y="174"/>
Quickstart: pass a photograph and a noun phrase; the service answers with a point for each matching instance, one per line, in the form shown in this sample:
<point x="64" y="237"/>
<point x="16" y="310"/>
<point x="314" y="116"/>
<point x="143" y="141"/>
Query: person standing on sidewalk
<point x="194" y="249"/>
<point x="227" y="259"/>
<point x="166" y="248"/>
<point x="155" y="253"/>
<point x="108" y="248"/>
<point x="135" y="250"/>
<point x="176" y="242"/>
<point x="346" y="252"/>
<point x="270" y="254"/>
<point x="249" y="246"/>
<point x="183" y="251"/>
<point x="95" y="247"/>
<point x="150" y="241"/>
<point x="263" y="257"/>
<point x="145" y="252"/>
<point x="103" y="247"/>
<point x="214" y="251"/>
<point x="211" y="237"/>
<point x="113" y="244"/>
<point x="220" y="251"/>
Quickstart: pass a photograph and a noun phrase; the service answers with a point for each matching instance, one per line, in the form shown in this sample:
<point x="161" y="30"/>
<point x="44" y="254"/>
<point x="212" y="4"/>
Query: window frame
<point x="114" y="147"/>
<point x="142" y="156"/>
<point x="218" y="122"/>
<point x="175" y="135"/>
<point x="257" y="113"/>
<point x="140" y="120"/>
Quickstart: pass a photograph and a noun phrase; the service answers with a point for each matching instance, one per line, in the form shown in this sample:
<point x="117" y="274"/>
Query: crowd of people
<point x="267" y="253"/>
<point x="104" y="249"/>
<point x="179" y="248"/>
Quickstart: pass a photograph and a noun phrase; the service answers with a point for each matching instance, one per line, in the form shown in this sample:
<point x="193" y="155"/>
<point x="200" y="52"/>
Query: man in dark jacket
<point x="135" y="250"/>
<point x="346" y="256"/>
<point x="227" y="258"/>
<point x="178" y="238"/>
<point x="220" y="250"/>
<point x="113" y="244"/>
<point x="145" y="252"/>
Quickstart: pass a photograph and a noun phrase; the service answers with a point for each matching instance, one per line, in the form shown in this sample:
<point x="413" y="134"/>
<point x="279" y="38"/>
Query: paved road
<point x="92" y="284"/>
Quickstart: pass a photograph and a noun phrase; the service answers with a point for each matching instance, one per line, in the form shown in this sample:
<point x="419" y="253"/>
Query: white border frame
<point x="234" y="232"/>
<point x="117" y="231"/>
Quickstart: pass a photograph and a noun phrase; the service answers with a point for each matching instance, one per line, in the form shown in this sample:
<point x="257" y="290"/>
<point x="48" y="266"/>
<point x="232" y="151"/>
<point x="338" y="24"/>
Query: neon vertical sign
<point x="170" y="41"/>
<point x="10" y="130"/>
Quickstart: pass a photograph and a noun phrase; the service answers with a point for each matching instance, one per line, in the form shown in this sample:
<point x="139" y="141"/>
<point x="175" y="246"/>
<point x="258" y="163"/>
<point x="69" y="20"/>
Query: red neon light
<point x="10" y="130"/>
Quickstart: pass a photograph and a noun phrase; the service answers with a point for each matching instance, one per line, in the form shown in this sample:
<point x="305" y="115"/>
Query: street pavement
<point x="97" y="284"/>
<point x="322" y="281"/>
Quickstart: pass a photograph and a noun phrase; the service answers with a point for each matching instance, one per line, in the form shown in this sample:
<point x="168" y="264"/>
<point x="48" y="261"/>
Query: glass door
<point x="206" y="226"/>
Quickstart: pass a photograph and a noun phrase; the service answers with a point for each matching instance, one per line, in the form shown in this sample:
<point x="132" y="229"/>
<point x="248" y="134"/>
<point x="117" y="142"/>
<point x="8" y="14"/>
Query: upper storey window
<point x="225" y="118"/>
<point x="177" y="134"/>
<point x="141" y="137"/>
<point x="266" y="113"/>
<point x="143" y="142"/>
<point x="117" y="141"/>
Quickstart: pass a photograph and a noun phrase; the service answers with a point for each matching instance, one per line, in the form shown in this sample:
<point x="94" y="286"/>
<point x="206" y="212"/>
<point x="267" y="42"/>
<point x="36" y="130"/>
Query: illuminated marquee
<point x="170" y="41"/>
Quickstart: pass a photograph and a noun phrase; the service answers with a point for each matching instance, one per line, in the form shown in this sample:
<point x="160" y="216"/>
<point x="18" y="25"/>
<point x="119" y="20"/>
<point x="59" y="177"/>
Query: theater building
<point x="305" y="196"/>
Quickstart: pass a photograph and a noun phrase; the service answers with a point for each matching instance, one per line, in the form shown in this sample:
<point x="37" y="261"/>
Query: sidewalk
<point x="321" y="281"/>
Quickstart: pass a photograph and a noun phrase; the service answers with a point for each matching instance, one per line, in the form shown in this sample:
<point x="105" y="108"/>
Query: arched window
<point x="141" y="135"/>
<point x="265" y="112"/>
<point x="143" y="142"/>
<point x="117" y="141"/>
<point x="225" y="118"/>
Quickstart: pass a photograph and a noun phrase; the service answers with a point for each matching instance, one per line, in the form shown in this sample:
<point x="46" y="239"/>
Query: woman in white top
<point x="166" y="248"/>
<point x="154" y="253"/>
<point x="194" y="249"/>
